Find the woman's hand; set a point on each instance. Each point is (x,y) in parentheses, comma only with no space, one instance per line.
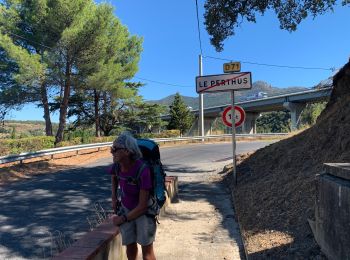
(118,220)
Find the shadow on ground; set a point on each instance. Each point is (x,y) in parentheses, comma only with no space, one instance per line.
(177,168)
(32,209)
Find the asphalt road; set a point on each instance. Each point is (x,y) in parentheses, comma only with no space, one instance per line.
(34,211)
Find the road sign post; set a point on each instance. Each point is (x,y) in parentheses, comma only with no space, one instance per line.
(226,82)
(233,116)
(233,136)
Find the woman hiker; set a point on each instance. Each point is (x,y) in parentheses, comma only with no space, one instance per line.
(135,226)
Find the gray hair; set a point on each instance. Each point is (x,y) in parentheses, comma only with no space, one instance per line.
(127,141)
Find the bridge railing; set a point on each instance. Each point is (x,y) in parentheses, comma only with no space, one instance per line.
(76,148)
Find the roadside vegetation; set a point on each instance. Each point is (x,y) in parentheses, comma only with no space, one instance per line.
(180,115)
(74,57)
(279,122)
(15,141)
(26,136)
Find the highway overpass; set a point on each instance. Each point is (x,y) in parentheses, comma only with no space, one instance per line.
(294,102)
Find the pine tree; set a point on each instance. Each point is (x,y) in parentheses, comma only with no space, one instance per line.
(180,115)
(222,17)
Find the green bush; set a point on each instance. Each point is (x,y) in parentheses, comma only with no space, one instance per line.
(102,139)
(33,144)
(73,141)
(85,136)
(163,134)
(146,135)
(168,134)
(30,144)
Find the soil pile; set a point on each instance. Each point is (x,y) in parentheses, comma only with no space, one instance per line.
(276,189)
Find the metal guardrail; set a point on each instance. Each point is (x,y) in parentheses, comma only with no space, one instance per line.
(53,151)
(24,156)
(216,136)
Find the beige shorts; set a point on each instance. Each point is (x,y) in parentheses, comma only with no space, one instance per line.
(141,230)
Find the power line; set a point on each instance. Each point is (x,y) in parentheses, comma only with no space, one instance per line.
(24,38)
(273,65)
(199,31)
(164,83)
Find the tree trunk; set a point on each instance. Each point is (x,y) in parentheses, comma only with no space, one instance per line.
(105,111)
(64,105)
(97,113)
(44,100)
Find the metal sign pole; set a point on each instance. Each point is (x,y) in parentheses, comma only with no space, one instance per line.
(201,106)
(233,135)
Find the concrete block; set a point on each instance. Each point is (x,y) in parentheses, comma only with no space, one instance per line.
(332,212)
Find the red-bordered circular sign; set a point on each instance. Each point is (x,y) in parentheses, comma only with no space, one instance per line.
(227,116)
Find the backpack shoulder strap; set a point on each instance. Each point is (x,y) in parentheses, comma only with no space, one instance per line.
(115,169)
(140,170)
(136,176)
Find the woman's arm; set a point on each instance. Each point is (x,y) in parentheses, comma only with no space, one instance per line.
(140,209)
(114,188)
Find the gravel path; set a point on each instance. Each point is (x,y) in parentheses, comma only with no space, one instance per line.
(201,224)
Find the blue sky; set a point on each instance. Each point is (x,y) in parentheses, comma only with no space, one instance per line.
(171,48)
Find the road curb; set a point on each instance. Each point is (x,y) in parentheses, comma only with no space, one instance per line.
(231,188)
(239,225)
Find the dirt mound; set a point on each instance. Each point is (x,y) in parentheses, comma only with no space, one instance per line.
(276,190)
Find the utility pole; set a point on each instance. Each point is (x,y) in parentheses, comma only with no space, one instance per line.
(201,114)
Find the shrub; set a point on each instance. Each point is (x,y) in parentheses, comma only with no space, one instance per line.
(102,139)
(168,134)
(146,135)
(30,144)
(33,144)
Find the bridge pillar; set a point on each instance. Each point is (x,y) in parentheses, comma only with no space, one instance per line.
(249,124)
(295,112)
(208,125)
(194,128)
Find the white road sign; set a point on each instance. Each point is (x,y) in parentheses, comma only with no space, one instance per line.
(224,82)
(239,116)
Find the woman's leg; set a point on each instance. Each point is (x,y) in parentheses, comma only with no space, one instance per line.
(131,251)
(148,253)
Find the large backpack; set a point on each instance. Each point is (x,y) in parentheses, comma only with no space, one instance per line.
(151,158)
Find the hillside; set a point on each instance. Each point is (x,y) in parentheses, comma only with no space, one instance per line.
(24,128)
(276,191)
(222,98)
